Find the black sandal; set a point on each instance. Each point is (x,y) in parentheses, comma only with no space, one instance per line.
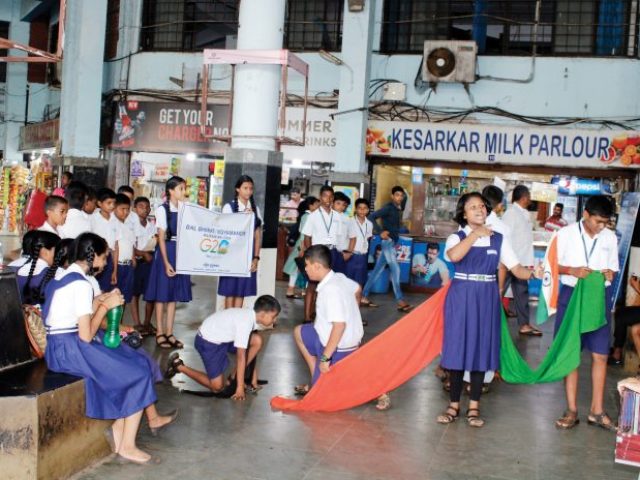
(474,420)
(599,421)
(163,343)
(446,417)
(301,390)
(568,420)
(174,342)
(173,363)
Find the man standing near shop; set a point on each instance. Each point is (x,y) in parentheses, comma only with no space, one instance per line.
(391,216)
(518,221)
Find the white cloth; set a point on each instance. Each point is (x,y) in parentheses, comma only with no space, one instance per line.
(70,302)
(126,239)
(144,233)
(363,232)
(105,227)
(323,227)
(344,234)
(40,266)
(77,222)
(92,280)
(507,255)
(336,303)
(521,233)
(242,208)
(19,262)
(571,251)
(229,325)
(47,227)
(497,225)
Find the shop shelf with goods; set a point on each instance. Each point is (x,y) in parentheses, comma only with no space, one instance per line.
(13,197)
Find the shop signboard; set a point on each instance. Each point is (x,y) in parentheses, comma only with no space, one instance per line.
(39,135)
(504,144)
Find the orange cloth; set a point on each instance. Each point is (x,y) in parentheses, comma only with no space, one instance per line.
(381,365)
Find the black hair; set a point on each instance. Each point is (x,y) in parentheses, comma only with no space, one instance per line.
(60,258)
(172,183)
(560,206)
(43,239)
(493,194)
(122,199)
(68,174)
(140,200)
(294,190)
(341,197)
(319,254)
(519,192)
(326,188)
(76,194)
(247,179)
(86,247)
(396,189)
(462,201)
(361,201)
(106,194)
(433,246)
(53,201)
(27,241)
(91,193)
(126,189)
(266,303)
(600,205)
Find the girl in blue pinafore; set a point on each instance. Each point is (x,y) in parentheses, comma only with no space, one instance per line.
(166,287)
(118,386)
(472,310)
(31,275)
(234,289)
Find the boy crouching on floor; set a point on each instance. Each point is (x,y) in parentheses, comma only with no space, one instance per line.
(228,331)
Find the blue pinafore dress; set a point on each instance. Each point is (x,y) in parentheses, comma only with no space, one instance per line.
(162,288)
(472,311)
(240,286)
(36,280)
(117,384)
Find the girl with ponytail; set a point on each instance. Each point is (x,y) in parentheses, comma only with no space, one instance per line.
(31,275)
(234,289)
(118,385)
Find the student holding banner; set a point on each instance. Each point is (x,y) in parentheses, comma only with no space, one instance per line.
(166,287)
(235,289)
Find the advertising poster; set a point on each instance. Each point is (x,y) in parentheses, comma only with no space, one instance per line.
(214,244)
(428,266)
(624,232)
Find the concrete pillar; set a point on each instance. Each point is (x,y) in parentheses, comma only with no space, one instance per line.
(81,96)
(357,40)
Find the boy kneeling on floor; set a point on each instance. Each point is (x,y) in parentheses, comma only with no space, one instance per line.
(228,331)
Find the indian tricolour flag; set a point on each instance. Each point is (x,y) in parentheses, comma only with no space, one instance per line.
(548,301)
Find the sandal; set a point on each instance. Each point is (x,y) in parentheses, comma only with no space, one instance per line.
(301,390)
(404,308)
(474,420)
(599,421)
(384,402)
(163,343)
(173,363)
(174,342)
(368,304)
(252,390)
(447,417)
(568,420)
(534,332)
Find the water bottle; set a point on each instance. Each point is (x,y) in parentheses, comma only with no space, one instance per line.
(112,335)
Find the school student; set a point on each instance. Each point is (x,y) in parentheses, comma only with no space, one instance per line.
(118,386)
(584,247)
(305,208)
(235,289)
(76,222)
(105,225)
(132,219)
(30,276)
(56,209)
(228,331)
(361,229)
(25,255)
(346,239)
(166,287)
(90,203)
(124,264)
(145,233)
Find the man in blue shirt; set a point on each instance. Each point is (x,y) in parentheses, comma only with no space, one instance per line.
(391,216)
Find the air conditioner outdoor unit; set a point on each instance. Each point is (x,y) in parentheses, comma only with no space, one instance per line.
(449,61)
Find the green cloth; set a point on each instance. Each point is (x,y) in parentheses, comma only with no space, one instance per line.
(585,313)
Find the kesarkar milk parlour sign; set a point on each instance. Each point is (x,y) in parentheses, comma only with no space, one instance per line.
(495,143)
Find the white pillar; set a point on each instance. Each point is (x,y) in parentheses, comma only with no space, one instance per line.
(257,87)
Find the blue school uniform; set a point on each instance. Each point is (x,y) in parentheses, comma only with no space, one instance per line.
(126,273)
(117,382)
(472,311)
(240,286)
(104,277)
(22,275)
(358,268)
(162,288)
(141,275)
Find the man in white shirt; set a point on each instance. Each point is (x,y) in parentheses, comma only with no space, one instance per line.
(518,221)
(585,247)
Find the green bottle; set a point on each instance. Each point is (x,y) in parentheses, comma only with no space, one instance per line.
(112,335)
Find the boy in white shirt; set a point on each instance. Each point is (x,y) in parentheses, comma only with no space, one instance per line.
(360,231)
(228,331)
(124,253)
(76,221)
(132,219)
(105,225)
(340,204)
(145,233)
(56,209)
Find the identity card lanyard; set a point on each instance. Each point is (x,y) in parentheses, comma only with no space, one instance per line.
(327,227)
(584,245)
(364,234)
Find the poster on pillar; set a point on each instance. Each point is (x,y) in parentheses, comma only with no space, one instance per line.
(213,244)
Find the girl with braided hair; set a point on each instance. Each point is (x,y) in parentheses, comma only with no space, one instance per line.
(118,385)
(31,275)
(234,289)
(23,259)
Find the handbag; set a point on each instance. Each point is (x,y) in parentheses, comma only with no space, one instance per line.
(36,332)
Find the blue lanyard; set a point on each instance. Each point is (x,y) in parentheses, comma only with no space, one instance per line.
(584,245)
(364,234)
(328,228)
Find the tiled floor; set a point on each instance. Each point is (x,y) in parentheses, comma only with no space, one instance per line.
(222,439)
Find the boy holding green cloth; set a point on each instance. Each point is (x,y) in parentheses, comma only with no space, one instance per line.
(585,247)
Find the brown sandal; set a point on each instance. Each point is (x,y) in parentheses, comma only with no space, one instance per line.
(568,420)
(474,420)
(384,402)
(447,417)
(599,421)
(163,342)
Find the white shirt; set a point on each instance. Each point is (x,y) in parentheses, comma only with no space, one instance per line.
(47,227)
(497,225)
(40,266)
(344,234)
(363,232)
(242,208)
(126,239)
(92,280)
(132,219)
(71,301)
(336,303)
(77,222)
(571,251)
(229,325)
(507,256)
(144,233)
(521,233)
(105,228)
(161,216)
(19,262)
(323,227)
